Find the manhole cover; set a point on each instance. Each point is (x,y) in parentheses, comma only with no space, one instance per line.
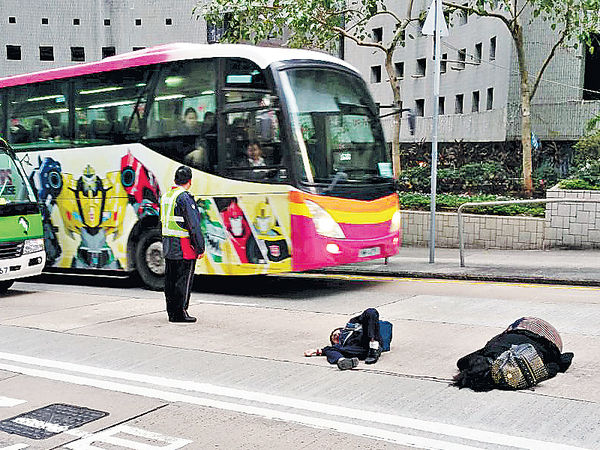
(50,420)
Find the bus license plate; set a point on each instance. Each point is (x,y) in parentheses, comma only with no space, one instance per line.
(369,251)
(3,270)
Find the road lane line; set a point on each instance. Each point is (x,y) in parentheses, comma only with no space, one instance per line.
(313,422)
(10,402)
(321,408)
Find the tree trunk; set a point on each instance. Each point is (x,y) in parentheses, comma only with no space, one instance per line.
(525,111)
(391,72)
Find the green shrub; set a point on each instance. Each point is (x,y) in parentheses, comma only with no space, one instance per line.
(451,202)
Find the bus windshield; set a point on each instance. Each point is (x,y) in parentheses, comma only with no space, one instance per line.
(14,188)
(334,124)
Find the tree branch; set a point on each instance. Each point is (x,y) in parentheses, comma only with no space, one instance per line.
(557,44)
(506,21)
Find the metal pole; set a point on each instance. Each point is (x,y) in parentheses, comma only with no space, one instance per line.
(434,132)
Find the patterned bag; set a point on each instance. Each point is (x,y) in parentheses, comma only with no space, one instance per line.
(520,367)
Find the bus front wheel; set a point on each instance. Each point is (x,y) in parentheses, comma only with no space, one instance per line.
(149,259)
(5,286)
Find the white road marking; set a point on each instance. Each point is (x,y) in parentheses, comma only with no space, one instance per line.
(7,402)
(321,408)
(109,436)
(15,447)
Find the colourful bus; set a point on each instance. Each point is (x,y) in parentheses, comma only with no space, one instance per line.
(21,235)
(290,167)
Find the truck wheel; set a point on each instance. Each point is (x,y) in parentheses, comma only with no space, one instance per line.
(5,286)
(149,260)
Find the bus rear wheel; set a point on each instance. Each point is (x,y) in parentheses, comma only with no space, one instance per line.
(5,286)
(149,259)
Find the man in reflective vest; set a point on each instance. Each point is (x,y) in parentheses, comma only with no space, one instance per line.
(182,244)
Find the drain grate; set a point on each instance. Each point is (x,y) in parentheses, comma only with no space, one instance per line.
(50,420)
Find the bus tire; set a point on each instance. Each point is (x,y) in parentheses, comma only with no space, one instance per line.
(5,286)
(149,261)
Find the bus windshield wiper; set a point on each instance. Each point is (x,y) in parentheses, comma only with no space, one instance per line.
(339,176)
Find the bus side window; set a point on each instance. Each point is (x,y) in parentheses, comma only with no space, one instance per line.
(38,114)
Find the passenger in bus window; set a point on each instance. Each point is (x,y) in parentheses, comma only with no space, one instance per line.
(42,131)
(190,124)
(208,133)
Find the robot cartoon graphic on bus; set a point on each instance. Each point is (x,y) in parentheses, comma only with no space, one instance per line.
(93,207)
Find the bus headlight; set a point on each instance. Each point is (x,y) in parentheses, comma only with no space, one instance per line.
(33,246)
(324,223)
(396,223)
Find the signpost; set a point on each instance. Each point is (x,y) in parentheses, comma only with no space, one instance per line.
(435,24)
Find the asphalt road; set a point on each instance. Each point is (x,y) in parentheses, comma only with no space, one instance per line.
(237,378)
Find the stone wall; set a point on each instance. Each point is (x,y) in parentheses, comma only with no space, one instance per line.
(480,231)
(574,225)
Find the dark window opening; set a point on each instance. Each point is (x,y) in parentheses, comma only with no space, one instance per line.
(490,99)
(108,52)
(458,103)
(591,80)
(444,63)
(44,21)
(462,57)
(138,22)
(442,106)
(378,34)
(168,21)
(46,53)
(420,107)
(135,49)
(107,22)
(13,52)
(76,22)
(478,49)
(421,67)
(376,74)
(493,48)
(12,19)
(475,101)
(77,54)
(399,67)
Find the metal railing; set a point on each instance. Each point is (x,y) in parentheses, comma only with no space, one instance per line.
(506,202)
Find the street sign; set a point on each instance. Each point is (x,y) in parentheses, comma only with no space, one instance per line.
(429,25)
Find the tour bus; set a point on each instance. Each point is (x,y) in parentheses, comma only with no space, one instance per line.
(290,168)
(21,234)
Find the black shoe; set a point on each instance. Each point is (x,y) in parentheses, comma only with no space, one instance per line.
(373,356)
(184,318)
(347,363)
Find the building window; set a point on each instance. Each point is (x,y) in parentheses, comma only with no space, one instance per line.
(462,57)
(107,22)
(13,52)
(77,54)
(378,34)
(108,52)
(493,48)
(490,99)
(76,22)
(375,74)
(135,49)
(478,48)
(168,21)
(442,106)
(444,63)
(12,19)
(399,67)
(420,107)
(591,81)
(463,17)
(44,21)
(138,22)
(475,101)
(46,53)
(458,103)
(421,67)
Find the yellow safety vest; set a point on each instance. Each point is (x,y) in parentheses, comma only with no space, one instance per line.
(169,220)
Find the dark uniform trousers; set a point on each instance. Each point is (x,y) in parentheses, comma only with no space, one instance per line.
(179,274)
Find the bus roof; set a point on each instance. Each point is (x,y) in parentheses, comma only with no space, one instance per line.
(262,56)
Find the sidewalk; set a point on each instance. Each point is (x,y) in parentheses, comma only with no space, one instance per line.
(556,266)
